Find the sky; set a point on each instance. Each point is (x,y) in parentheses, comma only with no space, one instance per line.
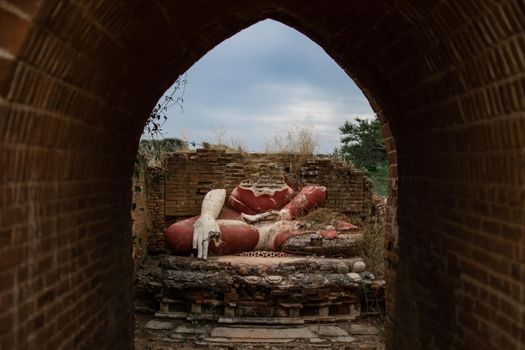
(264,81)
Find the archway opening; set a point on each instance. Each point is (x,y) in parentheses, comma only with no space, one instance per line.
(285,101)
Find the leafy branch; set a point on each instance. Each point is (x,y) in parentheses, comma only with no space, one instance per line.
(158,115)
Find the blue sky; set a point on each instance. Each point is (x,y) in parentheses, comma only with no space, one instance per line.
(263,81)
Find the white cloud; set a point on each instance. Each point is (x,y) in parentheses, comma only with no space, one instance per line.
(264,80)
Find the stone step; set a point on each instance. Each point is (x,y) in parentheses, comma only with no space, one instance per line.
(260,334)
(262,320)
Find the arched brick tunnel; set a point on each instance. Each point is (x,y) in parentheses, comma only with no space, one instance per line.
(447,78)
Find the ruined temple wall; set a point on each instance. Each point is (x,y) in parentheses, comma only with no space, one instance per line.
(147,211)
(190,175)
(139,213)
(348,189)
(155,192)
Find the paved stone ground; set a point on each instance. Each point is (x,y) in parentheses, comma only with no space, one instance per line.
(156,334)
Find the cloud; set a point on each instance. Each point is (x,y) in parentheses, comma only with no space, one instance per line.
(265,80)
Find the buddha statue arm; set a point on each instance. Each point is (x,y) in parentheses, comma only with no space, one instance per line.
(206,225)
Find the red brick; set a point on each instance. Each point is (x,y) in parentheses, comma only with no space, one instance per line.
(14,30)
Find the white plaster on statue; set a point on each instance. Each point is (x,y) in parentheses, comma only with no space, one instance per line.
(206,226)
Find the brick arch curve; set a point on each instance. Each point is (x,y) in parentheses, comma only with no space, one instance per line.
(445,77)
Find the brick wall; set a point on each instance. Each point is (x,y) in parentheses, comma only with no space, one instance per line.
(155,203)
(78,78)
(140,209)
(189,176)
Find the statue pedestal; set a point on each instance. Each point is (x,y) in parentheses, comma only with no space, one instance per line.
(262,290)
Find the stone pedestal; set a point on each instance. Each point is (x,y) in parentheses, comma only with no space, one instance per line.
(256,290)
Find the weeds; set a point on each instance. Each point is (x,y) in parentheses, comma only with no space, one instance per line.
(323,217)
(301,140)
(372,247)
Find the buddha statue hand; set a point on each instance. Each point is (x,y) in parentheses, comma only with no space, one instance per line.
(204,229)
(253,219)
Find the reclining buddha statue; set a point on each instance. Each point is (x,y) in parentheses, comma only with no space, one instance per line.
(253,218)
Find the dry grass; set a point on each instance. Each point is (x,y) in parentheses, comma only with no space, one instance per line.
(372,248)
(239,145)
(372,245)
(235,145)
(321,217)
(300,140)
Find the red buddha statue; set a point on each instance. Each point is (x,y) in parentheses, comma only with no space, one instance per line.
(241,225)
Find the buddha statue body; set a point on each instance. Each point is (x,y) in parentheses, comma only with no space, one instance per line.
(253,218)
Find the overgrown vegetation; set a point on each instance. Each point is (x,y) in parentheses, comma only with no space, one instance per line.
(151,151)
(233,145)
(379,178)
(158,116)
(321,217)
(300,140)
(372,247)
(221,142)
(363,145)
(153,143)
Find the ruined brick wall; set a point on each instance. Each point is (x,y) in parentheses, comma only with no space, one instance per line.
(139,212)
(155,189)
(349,191)
(190,175)
(78,80)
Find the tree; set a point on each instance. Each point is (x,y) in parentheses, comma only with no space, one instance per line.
(364,146)
(363,143)
(152,151)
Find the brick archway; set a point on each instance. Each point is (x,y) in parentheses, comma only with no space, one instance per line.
(446,78)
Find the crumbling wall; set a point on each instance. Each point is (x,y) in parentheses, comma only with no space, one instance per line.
(147,210)
(348,190)
(155,192)
(188,176)
(139,212)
